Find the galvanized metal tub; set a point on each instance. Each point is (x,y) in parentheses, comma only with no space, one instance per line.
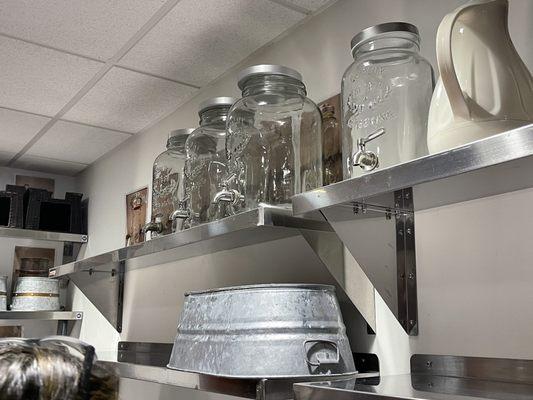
(263,331)
(35,294)
(3,293)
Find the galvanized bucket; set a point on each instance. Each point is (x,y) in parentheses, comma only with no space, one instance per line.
(263,331)
(3,293)
(36,294)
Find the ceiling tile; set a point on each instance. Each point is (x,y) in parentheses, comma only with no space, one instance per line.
(34,163)
(96,28)
(128,101)
(16,129)
(40,80)
(310,5)
(72,142)
(199,40)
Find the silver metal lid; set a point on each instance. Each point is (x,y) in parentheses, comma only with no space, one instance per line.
(266,69)
(181,132)
(405,29)
(216,102)
(178,137)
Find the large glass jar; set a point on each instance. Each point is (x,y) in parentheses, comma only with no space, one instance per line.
(386,94)
(274,138)
(206,166)
(168,185)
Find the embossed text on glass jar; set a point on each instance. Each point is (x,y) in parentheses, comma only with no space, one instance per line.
(386,95)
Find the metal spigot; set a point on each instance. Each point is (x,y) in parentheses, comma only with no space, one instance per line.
(153,226)
(228,195)
(182,212)
(366,159)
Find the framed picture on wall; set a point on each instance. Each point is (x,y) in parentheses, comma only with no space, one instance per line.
(136,208)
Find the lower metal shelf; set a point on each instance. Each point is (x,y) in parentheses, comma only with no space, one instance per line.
(41,315)
(434,377)
(62,317)
(260,389)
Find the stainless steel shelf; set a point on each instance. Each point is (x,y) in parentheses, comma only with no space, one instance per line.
(435,377)
(377,210)
(102,278)
(498,164)
(413,387)
(261,389)
(42,235)
(42,315)
(251,227)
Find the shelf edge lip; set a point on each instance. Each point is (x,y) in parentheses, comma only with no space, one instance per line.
(503,147)
(19,233)
(41,315)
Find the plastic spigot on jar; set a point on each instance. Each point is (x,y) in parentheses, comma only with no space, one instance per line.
(274,137)
(388,86)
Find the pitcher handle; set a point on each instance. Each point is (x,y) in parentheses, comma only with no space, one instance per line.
(445,63)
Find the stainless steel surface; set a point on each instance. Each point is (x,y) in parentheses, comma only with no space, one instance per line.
(42,235)
(374,32)
(99,277)
(263,331)
(501,163)
(413,387)
(492,369)
(144,353)
(361,209)
(366,159)
(254,226)
(42,315)
(260,389)
(407,305)
(216,102)
(266,69)
(435,377)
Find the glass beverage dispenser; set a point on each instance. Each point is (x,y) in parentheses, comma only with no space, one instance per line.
(386,94)
(274,139)
(206,166)
(168,185)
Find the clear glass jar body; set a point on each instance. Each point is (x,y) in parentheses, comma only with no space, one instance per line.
(274,142)
(388,86)
(168,188)
(206,167)
(331,147)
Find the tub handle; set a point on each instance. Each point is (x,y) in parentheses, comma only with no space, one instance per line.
(322,357)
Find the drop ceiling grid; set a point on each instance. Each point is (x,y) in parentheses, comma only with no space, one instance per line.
(59,32)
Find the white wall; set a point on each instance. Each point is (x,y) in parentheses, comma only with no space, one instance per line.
(62,183)
(473,267)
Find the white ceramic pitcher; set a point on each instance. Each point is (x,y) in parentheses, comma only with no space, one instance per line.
(484,87)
